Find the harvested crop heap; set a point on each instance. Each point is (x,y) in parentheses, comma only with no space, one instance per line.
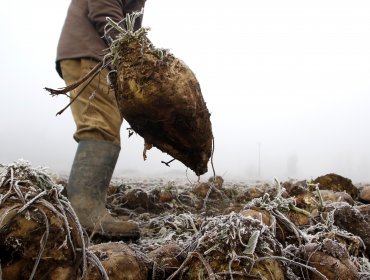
(160,97)
(40,235)
(205,230)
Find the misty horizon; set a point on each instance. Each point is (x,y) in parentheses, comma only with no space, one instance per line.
(287,84)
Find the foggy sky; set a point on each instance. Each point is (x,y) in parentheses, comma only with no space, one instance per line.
(287,84)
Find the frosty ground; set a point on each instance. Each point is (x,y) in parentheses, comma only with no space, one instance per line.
(215,229)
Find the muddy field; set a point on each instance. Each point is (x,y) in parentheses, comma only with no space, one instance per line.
(212,229)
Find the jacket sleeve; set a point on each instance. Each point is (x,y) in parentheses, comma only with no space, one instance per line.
(99,10)
(135,6)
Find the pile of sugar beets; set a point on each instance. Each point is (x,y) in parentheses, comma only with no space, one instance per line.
(311,229)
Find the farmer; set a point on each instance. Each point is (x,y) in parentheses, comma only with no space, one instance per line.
(81,47)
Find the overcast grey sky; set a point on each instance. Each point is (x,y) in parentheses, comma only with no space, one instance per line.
(287,83)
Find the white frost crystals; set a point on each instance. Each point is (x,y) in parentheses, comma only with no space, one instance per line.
(33,211)
(21,171)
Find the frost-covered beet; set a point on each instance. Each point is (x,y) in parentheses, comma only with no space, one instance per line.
(331,259)
(120,262)
(337,183)
(161,99)
(233,247)
(40,236)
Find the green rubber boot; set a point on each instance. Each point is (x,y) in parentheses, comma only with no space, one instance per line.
(88,183)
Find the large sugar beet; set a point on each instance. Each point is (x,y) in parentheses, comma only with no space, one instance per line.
(161,99)
(40,236)
(119,262)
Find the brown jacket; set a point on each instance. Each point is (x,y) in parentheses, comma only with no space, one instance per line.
(83,30)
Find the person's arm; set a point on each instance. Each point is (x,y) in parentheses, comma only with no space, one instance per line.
(99,10)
